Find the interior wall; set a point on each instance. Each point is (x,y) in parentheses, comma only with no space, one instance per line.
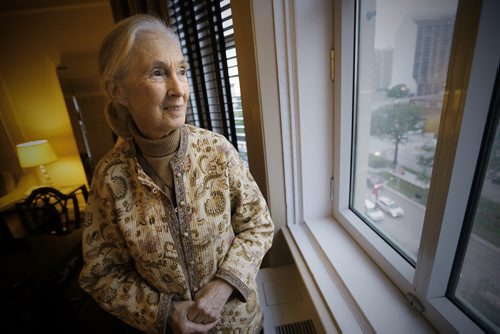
(314,40)
(255,44)
(7,136)
(31,102)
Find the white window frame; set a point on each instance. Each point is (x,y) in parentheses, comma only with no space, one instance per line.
(463,121)
(357,276)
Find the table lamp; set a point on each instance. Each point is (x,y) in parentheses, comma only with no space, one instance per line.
(37,153)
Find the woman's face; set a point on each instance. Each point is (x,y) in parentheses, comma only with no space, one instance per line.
(155,90)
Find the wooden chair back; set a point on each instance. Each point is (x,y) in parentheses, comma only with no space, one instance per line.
(47,210)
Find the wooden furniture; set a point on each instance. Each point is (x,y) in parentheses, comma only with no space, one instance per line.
(8,202)
(47,210)
(10,215)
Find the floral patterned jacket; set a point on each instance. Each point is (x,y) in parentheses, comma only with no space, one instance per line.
(141,253)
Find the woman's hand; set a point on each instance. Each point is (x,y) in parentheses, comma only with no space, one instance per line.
(179,322)
(209,301)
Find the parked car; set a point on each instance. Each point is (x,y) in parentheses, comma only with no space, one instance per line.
(388,205)
(372,211)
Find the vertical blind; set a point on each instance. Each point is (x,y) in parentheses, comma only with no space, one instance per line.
(205,30)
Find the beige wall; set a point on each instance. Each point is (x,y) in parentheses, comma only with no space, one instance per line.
(31,102)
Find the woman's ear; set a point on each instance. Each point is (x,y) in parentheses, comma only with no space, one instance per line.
(119,96)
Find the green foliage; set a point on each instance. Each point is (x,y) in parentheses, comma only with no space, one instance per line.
(395,121)
(378,162)
(409,190)
(400,90)
(426,162)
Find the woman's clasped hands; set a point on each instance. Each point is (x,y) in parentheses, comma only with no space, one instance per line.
(202,314)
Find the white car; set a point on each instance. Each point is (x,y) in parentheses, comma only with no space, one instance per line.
(372,211)
(389,206)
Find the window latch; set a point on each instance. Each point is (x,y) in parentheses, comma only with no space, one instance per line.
(415,303)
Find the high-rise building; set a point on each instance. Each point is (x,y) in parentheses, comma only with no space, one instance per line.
(432,50)
(383,68)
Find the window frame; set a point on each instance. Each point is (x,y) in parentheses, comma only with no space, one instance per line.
(480,176)
(460,138)
(326,239)
(329,260)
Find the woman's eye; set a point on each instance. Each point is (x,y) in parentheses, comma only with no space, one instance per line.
(183,72)
(158,72)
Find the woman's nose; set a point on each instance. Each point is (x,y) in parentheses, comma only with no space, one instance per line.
(175,87)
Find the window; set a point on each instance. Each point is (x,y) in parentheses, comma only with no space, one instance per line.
(402,52)
(207,38)
(475,285)
(414,137)
(353,262)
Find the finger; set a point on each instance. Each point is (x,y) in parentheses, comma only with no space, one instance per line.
(191,315)
(202,313)
(202,327)
(199,319)
(203,318)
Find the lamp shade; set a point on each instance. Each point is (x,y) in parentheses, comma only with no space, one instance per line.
(35,153)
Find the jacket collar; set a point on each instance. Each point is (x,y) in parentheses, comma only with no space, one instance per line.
(176,161)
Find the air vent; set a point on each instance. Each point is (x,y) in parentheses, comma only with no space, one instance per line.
(301,327)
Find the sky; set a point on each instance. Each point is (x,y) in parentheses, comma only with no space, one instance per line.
(391,14)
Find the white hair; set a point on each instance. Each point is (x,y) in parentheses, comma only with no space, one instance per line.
(114,59)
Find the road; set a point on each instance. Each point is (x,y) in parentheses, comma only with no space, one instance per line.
(404,231)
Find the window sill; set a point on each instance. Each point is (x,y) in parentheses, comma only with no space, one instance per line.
(355,296)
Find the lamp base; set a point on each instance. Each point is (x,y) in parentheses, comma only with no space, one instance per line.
(46,180)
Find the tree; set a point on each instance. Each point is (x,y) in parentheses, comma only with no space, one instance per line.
(395,121)
(426,160)
(399,90)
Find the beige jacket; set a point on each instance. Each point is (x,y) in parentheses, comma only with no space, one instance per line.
(141,252)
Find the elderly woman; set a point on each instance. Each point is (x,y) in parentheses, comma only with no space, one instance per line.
(176,228)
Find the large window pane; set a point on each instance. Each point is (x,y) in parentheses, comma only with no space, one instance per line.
(403,48)
(476,283)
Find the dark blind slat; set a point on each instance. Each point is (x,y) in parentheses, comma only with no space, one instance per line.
(200,28)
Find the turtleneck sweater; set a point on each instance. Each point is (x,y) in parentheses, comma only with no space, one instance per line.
(158,153)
